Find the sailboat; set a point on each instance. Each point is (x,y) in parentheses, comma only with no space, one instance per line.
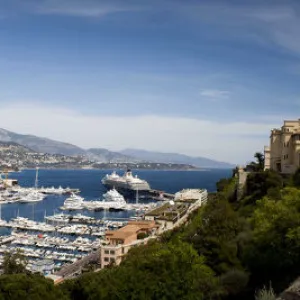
(137,196)
(34,195)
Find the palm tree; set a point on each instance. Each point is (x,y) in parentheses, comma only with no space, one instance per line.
(259,164)
(260,161)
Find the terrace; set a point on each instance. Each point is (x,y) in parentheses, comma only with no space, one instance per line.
(168,212)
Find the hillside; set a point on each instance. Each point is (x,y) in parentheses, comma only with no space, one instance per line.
(175,158)
(101,155)
(241,251)
(104,155)
(39,144)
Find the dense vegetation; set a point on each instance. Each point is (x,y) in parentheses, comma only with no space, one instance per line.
(228,250)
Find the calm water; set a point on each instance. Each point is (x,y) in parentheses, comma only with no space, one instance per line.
(89,182)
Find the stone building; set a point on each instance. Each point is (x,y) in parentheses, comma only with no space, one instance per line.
(120,241)
(283,154)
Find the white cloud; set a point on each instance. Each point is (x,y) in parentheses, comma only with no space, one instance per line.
(232,142)
(215,94)
(79,8)
(274,24)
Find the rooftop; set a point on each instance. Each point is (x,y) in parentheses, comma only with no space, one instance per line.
(168,211)
(132,228)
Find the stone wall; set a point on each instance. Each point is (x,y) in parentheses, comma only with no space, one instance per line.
(242,179)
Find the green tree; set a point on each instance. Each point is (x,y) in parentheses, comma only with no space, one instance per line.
(260,161)
(214,234)
(259,164)
(14,263)
(274,252)
(28,287)
(296,178)
(155,271)
(260,184)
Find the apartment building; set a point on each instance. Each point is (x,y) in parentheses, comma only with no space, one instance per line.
(283,154)
(192,195)
(122,240)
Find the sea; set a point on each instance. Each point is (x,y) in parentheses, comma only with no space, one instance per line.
(91,188)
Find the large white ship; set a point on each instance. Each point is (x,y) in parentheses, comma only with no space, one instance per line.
(125,183)
(73,202)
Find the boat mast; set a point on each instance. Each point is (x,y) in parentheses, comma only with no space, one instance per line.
(104,215)
(36,177)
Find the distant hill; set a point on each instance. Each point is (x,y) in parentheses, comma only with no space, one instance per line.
(175,158)
(39,144)
(104,155)
(45,145)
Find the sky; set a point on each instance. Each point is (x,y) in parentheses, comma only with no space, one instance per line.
(204,78)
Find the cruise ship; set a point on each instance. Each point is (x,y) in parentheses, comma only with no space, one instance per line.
(126,183)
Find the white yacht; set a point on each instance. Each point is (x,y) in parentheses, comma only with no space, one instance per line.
(73,202)
(33,196)
(112,200)
(113,195)
(59,190)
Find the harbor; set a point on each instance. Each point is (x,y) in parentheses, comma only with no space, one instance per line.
(61,237)
(68,224)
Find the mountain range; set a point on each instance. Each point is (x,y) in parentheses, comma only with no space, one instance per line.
(175,158)
(46,145)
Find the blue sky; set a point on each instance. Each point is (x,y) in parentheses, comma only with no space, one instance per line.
(207,78)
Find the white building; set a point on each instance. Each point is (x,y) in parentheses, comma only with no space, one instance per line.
(192,195)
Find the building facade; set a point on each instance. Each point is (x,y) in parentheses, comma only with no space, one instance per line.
(122,240)
(283,154)
(192,195)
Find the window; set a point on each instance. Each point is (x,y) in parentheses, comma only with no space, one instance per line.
(106,259)
(112,259)
(123,250)
(112,251)
(106,252)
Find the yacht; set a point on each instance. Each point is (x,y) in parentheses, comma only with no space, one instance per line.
(73,202)
(112,200)
(114,196)
(59,190)
(33,196)
(58,219)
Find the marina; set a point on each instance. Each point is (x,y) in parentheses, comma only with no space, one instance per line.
(68,224)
